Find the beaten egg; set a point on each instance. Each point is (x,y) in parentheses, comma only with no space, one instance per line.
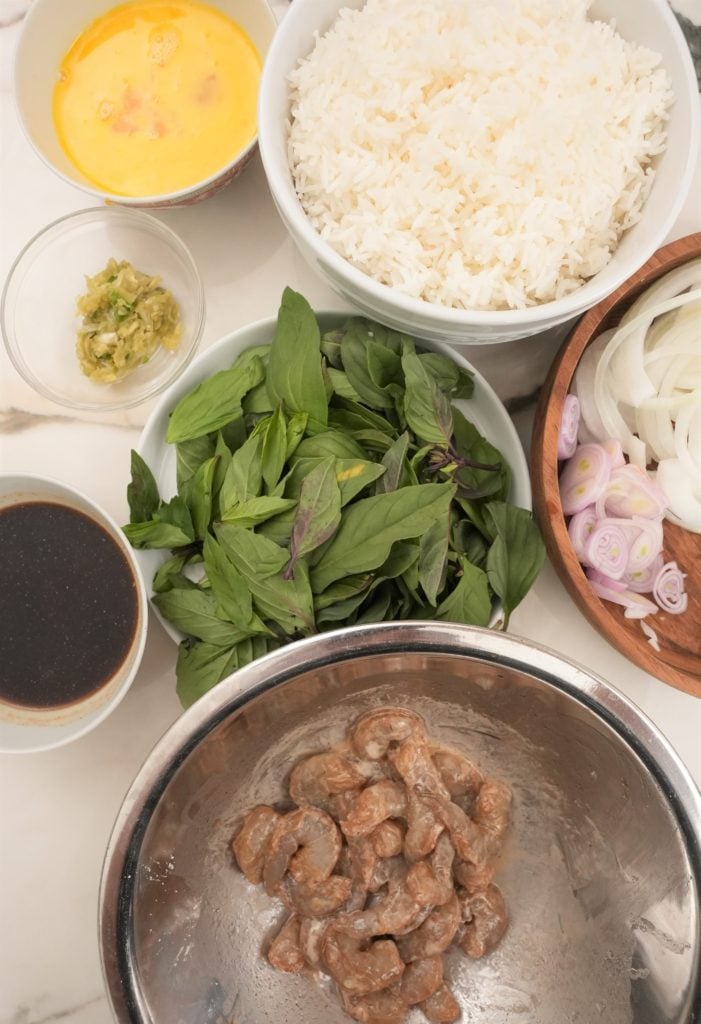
(156,95)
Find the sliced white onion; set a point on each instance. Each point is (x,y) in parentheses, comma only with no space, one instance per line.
(650,634)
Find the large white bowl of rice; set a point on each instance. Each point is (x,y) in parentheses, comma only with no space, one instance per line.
(478,170)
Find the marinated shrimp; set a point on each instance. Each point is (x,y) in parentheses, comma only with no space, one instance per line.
(385,863)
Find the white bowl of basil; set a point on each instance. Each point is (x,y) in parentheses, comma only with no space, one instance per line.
(321,470)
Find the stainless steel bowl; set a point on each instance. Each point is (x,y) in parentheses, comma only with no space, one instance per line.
(602,876)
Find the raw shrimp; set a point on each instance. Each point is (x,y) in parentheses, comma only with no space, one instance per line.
(376,731)
(285,952)
(413,763)
(460,776)
(431,881)
(316,778)
(487,920)
(312,838)
(423,828)
(472,877)
(442,1007)
(472,842)
(492,810)
(389,870)
(394,913)
(358,966)
(318,899)
(421,979)
(249,845)
(435,934)
(385,1007)
(374,805)
(387,839)
(311,937)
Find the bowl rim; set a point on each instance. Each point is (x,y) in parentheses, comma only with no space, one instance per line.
(636,730)
(162,199)
(75,730)
(140,219)
(449,318)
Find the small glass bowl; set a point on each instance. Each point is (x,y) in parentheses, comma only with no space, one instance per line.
(38,309)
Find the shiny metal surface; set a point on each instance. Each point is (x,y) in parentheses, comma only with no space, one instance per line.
(602,875)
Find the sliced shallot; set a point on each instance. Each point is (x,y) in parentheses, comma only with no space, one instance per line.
(569,427)
(668,589)
(607,549)
(580,526)
(584,478)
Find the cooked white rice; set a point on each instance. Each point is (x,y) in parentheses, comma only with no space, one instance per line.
(481,154)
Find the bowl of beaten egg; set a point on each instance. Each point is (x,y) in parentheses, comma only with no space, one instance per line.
(148,103)
(479,171)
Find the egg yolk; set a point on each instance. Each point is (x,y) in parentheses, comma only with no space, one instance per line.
(156,95)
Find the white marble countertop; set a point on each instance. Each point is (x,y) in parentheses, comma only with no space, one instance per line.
(57,808)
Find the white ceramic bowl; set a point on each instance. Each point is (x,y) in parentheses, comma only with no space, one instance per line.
(484,409)
(28,730)
(49,29)
(648,22)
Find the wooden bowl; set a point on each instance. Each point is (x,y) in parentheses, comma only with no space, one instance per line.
(679,660)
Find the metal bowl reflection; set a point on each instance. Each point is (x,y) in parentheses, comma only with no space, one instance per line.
(602,875)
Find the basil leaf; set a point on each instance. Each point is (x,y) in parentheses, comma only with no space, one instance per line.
(214,402)
(331,347)
(350,416)
(274,449)
(195,612)
(228,585)
(253,555)
(452,379)
(257,510)
(197,494)
(373,440)
(154,534)
(330,442)
(189,455)
(200,667)
(223,457)
(170,574)
(341,385)
(393,460)
(244,477)
(468,541)
(354,475)
(516,556)
(358,357)
(343,590)
(370,527)
(428,412)
(294,378)
(177,514)
(318,511)
(142,492)
(296,426)
(470,601)
(288,602)
(433,558)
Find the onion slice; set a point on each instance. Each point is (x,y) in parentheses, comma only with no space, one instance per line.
(668,589)
(569,427)
(580,526)
(607,549)
(636,605)
(584,478)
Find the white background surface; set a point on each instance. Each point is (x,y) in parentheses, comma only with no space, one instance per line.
(57,808)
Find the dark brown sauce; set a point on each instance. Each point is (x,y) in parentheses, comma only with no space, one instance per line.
(68,605)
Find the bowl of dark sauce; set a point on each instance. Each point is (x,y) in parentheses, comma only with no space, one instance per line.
(73,614)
